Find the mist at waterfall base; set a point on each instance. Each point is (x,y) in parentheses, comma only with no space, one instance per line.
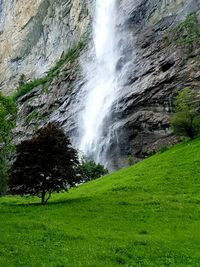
(101,86)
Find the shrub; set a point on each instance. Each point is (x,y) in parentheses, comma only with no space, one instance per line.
(164,148)
(186,119)
(44,164)
(129,160)
(89,170)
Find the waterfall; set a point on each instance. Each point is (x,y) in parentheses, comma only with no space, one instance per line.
(101,86)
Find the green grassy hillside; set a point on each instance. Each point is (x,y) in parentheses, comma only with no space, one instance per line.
(145,215)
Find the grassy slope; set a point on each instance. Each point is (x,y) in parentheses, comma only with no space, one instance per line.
(145,215)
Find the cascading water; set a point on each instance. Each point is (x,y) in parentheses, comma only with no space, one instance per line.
(101,86)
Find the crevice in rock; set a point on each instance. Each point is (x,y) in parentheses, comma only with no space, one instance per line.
(167,65)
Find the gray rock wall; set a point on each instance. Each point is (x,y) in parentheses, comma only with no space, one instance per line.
(150,72)
(153,72)
(34,34)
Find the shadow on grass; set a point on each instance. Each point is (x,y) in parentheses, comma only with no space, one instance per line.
(50,203)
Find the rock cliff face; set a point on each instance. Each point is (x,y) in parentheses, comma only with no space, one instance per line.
(34,34)
(152,68)
(155,68)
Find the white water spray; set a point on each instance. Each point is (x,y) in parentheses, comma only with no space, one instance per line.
(101,86)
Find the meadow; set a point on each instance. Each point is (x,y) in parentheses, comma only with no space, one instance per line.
(144,215)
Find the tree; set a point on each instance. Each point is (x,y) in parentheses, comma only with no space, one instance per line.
(7,123)
(44,164)
(185,120)
(89,170)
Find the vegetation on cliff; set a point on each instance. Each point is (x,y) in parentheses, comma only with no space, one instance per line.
(186,35)
(188,31)
(7,123)
(70,56)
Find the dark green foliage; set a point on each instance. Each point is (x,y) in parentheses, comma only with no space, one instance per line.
(44,164)
(25,88)
(7,123)
(186,118)
(164,148)
(89,170)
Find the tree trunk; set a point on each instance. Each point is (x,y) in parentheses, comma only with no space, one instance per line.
(43,198)
(48,197)
(190,130)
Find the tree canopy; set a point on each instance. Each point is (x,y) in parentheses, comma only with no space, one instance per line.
(185,120)
(44,164)
(89,170)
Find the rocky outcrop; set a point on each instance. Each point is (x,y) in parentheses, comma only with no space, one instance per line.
(159,69)
(151,69)
(154,69)
(34,34)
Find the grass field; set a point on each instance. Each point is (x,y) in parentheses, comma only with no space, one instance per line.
(145,215)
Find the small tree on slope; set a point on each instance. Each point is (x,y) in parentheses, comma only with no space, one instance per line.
(185,120)
(90,170)
(44,164)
